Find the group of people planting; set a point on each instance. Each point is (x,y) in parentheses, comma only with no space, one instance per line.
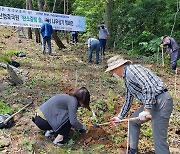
(99,45)
(58,114)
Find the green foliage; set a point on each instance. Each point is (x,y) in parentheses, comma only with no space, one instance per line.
(151,47)
(92,11)
(14,3)
(147,132)
(110,100)
(4,108)
(28,144)
(4,58)
(136,25)
(11,52)
(178,62)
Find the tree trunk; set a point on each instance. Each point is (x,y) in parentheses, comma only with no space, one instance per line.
(38,37)
(40,5)
(57,40)
(54,35)
(109,8)
(45,5)
(29,7)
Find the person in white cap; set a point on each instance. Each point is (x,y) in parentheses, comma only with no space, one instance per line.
(149,89)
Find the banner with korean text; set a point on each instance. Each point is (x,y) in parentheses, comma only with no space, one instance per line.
(34,19)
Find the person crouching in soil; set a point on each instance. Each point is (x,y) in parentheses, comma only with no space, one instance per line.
(58,114)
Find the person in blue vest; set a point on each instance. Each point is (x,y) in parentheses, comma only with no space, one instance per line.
(93,44)
(46,32)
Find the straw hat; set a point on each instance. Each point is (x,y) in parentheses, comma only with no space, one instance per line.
(115,62)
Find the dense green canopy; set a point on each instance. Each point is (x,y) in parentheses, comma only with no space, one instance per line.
(134,25)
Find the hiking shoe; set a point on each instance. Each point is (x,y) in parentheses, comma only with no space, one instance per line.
(59,143)
(48,133)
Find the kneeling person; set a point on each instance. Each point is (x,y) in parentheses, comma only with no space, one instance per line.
(58,114)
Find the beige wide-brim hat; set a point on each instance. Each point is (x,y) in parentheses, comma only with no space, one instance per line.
(115,62)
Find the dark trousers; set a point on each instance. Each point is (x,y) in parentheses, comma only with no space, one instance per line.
(74,38)
(44,125)
(102,46)
(175,55)
(47,40)
(94,46)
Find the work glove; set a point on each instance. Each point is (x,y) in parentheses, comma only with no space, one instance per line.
(83,130)
(114,120)
(161,45)
(143,114)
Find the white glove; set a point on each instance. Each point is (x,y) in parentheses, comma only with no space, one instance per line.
(143,114)
(114,120)
(161,45)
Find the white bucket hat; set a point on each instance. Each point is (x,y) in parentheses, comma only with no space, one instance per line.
(115,62)
(162,37)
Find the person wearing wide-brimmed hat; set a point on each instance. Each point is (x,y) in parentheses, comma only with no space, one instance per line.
(58,114)
(172,50)
(149,89)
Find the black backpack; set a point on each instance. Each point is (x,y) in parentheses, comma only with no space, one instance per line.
(14,63)
(3,118)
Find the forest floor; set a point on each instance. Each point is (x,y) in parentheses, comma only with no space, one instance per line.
(62,72)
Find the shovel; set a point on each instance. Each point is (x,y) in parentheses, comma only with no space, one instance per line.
(128,119)
(4,124)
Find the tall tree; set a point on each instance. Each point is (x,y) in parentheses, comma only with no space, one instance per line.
(29,7)
(55,35)
(108,21)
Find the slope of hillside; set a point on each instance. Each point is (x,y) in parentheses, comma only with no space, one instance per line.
(62,72)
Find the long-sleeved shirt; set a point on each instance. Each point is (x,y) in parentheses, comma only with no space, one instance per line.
(59,109)
(171,44)
(103,33)
(92,40)
(46,29)
(142,84)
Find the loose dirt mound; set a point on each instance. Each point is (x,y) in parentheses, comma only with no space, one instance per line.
(96,136)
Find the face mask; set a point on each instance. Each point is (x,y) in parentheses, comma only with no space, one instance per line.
(116,76)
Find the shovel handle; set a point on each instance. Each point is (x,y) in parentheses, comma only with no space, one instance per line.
(10,117)
(128,119)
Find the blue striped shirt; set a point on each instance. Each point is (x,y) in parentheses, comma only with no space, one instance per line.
(142,84)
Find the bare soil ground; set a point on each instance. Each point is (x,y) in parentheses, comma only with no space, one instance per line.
(61,73)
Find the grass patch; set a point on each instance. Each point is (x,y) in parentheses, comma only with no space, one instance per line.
(4,59)
(4,108)
(11,52)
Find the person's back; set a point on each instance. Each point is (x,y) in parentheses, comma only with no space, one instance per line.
(46,29)
(46,32)
(172,43)
(103,35)
(93,44)
(172,50)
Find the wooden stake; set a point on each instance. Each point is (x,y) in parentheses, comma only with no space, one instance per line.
(162,56)
(175,80)
(158,56)
(76,78)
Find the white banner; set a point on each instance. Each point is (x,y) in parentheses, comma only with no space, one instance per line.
(28,18)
